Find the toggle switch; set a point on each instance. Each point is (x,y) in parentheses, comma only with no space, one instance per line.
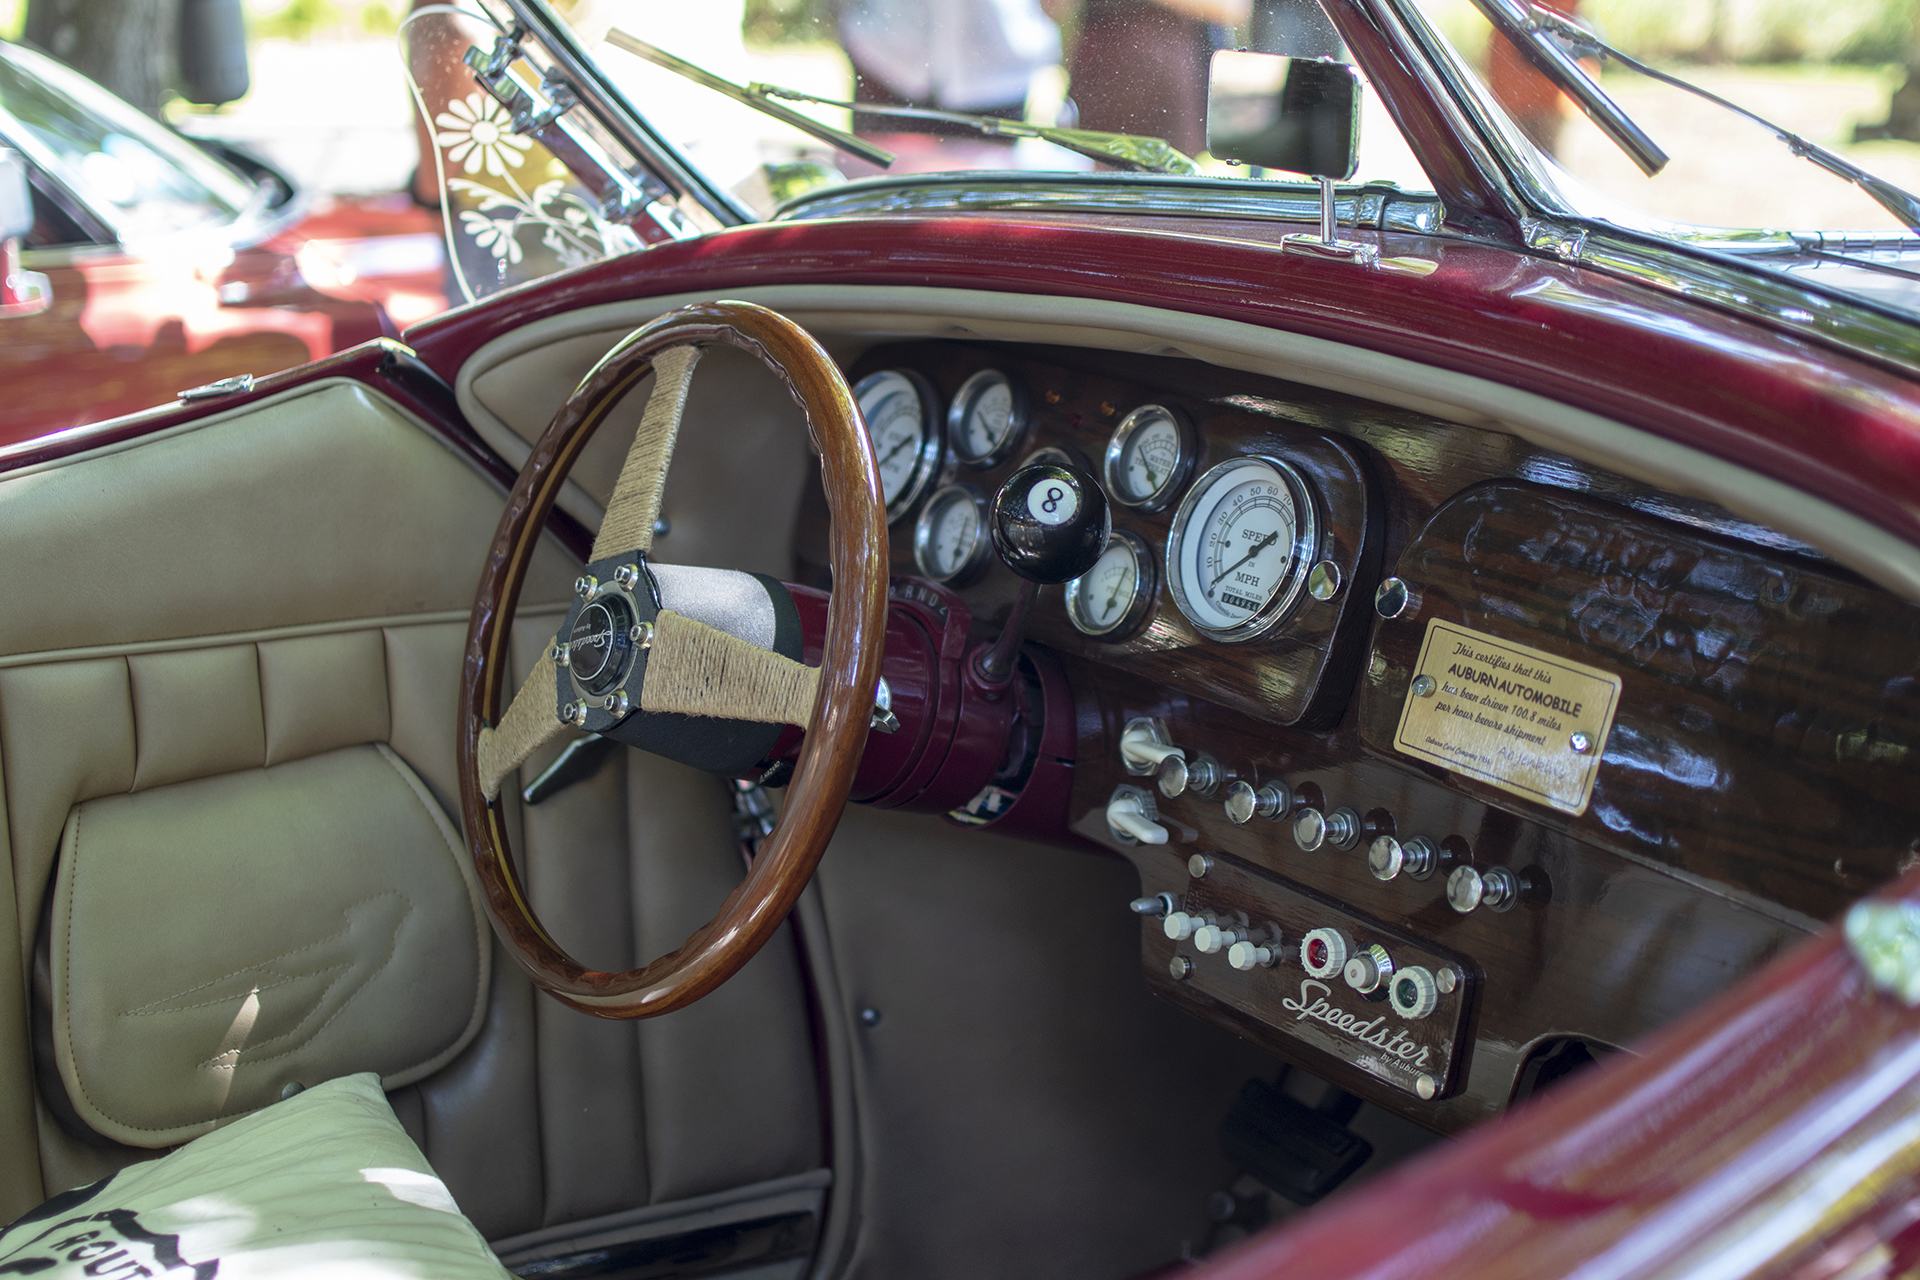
(1144,744)
(1154,905)
(1131,817)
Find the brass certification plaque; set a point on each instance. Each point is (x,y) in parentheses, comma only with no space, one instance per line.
(1526,721)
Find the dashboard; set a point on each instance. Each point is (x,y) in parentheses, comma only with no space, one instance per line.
(1448,764)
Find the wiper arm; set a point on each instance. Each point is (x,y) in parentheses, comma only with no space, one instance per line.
(1522,23)
(755,97)
(1151,154)
(1135,151)
(1901,204)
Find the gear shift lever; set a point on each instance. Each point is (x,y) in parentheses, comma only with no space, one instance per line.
(1049,523)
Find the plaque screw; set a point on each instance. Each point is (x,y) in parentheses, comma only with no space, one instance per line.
(1179,968)
(1198,866)
(1581,743)
(1446,980)
(1423,686)
(1425,1087)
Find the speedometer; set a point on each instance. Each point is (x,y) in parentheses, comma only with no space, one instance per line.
(1240,546)
(898,407)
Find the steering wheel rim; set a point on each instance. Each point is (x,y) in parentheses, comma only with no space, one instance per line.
(836,729)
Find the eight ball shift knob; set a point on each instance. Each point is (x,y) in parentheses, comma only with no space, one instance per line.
(1050,523)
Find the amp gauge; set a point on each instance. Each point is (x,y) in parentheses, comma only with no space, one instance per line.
(898,406)
(987,420)
(1148,456)
(950,541)
(1113,598)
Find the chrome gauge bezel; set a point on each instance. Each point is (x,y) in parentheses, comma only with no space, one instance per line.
(1282,603)
(1139,605)
(926,461)
(923,530)
(1019,419)
(1111,475)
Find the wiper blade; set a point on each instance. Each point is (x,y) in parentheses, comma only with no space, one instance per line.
(1900,203)
(1134,151)
(1522,23)
(754,97)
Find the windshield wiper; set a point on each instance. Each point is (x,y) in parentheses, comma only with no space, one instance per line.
(1153,155)
(1584,43)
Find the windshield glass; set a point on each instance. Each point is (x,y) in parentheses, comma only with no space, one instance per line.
(141,179)
(1826,72)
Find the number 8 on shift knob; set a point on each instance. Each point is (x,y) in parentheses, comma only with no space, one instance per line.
(1050,523)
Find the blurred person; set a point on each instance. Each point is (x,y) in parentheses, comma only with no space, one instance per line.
(1140,66)
(1530,98)
(977,56)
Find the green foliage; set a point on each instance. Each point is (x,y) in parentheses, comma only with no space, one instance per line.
(787,21)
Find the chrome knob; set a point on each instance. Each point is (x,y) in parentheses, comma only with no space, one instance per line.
(1271,801)
(1239,803)
(1496,888)
(1366,970)
(1180,968)
(1385,857)
(1309,829)
(1177,775)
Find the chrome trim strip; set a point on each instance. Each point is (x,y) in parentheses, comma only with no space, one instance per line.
(1377,206)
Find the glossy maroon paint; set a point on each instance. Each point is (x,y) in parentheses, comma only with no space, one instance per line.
(1770,1133)
(1782,404)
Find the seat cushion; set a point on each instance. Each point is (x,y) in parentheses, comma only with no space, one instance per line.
(325,1183)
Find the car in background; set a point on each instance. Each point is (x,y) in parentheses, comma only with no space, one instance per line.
(171,262)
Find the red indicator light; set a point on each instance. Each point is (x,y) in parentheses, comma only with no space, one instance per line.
(1317,953)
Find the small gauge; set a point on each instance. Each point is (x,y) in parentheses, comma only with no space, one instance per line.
(1112,599)
(987,419)
(1240,546)
(950,541)
(1148,456)
(1056,455)
(898,407)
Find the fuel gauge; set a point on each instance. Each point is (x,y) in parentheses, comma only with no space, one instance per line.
(1113,598)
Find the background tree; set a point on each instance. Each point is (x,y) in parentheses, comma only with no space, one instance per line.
(127,45)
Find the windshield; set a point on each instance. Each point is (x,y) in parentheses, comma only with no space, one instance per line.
(141,179)
(1827,73)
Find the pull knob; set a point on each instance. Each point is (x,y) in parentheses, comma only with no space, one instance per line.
(1496,888)
(1270,802)
(1209,938)
(1180,925)
(1177,775)
(1050,522)
(1249,955)
(1130,817)
(1387,857)
(1312,828)
(1143,745)
(1367,970)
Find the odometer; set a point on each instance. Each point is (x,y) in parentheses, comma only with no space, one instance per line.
(1240,547)
(898,407)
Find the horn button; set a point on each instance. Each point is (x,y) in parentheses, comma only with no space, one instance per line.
(600,645)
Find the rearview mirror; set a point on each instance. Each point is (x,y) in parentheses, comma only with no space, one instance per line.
(1300,115)
(22,292)
(16,197)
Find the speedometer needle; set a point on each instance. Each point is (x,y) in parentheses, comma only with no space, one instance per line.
(1252,551)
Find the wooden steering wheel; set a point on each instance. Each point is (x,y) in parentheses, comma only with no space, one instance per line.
(677,664)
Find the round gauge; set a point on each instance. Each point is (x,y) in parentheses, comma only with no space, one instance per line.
(1056,455)
(898,408)
(950,541)
(1239,549)
(987,419)
(1111,599)
(1149,454)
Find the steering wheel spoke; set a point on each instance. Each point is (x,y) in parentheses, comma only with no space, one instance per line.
(698,670)
(531,722)
(635,504)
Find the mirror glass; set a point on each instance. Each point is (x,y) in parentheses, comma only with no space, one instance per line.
(16,201)
(1301,115)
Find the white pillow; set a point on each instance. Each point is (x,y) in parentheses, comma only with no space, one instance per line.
(326,1183)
